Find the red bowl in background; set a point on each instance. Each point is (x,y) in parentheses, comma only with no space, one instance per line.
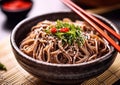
(16,9)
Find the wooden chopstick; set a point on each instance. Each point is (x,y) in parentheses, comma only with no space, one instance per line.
(92,20)
(95,19)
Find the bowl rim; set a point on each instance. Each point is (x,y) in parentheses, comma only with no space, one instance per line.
(23,55)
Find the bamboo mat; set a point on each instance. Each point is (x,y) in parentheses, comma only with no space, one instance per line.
(15,75)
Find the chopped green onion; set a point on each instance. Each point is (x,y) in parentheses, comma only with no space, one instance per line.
(70,36)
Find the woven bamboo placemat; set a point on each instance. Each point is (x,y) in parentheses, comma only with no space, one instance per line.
(15,75)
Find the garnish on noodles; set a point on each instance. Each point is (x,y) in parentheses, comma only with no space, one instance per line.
(67,32)
(64,42)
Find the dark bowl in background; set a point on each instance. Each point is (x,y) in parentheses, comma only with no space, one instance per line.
(15,14)
(58,73)
(96,3)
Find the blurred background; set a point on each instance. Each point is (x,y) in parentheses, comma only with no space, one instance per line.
(10,15)
(39,7)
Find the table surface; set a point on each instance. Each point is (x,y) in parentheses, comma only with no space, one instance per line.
(47,6)
(16,75)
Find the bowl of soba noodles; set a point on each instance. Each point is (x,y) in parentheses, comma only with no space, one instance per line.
(62,48)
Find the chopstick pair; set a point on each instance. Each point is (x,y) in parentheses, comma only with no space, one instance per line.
(94,22)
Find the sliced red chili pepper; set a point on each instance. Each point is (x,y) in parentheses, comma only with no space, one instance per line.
(64,29)
(53,30)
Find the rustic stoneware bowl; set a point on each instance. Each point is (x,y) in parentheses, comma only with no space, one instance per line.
(58,73)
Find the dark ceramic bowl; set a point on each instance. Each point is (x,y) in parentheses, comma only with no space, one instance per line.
(58,73)
(15,14)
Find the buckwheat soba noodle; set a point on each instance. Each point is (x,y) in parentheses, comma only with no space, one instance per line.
(64,42)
